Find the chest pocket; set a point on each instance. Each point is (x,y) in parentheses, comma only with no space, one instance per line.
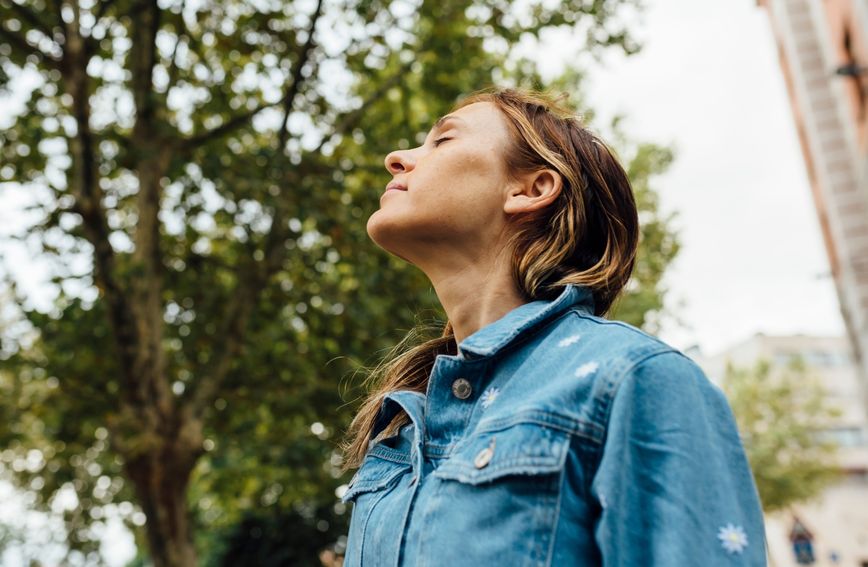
(519,449)
(376,473)
(499,495)
(378,502)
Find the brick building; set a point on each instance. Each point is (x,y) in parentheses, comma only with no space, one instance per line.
(823,50)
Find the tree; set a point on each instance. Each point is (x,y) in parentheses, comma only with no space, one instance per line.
(781,413)
(201,174)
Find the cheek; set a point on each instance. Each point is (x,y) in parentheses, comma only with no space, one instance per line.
(476,175)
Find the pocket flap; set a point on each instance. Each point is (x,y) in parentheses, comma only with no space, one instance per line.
(520,449)
(375,474)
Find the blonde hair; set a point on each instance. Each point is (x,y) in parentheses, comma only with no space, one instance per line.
(587,237)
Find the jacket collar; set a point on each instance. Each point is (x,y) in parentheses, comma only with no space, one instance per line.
(492,338)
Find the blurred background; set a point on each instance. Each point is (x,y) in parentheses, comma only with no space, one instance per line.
(189,301)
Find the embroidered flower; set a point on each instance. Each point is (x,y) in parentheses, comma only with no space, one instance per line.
(569,340)
(488,396)
(732,538)
(586,369)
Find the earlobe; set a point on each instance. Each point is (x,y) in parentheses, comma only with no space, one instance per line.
(535,191)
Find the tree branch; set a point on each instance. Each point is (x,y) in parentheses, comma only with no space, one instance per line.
(253,281)
(102,9)
(295,85)
(30,17)
(189,144)
(88,196)
(350,119)
(288,100)
(181,26)
(22,44)
(152,158)
(245,298)
(58,14)
(143,52)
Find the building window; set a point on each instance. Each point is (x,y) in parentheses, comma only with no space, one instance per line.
(844,436)
(819,358)
(815,358)
(858,80)
(784,358)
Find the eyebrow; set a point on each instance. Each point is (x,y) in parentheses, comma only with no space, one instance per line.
(439,124)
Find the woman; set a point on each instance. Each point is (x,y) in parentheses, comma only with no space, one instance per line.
(535,432)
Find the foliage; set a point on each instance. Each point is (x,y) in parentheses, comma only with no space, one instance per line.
(201,174)
(642,303)
(780,413)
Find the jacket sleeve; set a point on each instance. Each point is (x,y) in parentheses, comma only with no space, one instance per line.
(673,485)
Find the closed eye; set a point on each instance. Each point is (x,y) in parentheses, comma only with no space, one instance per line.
(439,141)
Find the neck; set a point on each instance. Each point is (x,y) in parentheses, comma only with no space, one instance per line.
(478,292)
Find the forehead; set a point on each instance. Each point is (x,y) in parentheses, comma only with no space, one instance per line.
(477,115)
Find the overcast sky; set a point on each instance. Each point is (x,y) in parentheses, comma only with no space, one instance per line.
(708,80)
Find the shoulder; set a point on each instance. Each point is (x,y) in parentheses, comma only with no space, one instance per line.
(616,346)
(623,361)
(574,367)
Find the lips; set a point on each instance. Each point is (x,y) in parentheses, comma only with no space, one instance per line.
(396,186)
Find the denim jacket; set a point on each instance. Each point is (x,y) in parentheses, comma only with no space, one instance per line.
(556,437)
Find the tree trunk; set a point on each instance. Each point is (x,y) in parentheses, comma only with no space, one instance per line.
(160,478)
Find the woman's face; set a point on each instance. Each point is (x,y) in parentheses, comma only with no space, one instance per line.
(446,195)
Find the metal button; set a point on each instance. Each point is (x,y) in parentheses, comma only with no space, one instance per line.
(461,389)
(483,457)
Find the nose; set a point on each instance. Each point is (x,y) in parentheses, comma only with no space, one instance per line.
(399,161)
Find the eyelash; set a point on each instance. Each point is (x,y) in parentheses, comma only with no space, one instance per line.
(440,141)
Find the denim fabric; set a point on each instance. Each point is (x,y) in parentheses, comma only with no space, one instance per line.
(580,441)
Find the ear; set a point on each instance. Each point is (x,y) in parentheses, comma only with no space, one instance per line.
(533,191)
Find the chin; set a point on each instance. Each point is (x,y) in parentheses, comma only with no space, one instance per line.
(381,230)
(388,235)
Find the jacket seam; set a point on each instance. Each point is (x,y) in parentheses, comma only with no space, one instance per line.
(367,519)
(608,398)
(433,499)
(570,425)
(389,454)
(581,314)
(576,426)
(557,518)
